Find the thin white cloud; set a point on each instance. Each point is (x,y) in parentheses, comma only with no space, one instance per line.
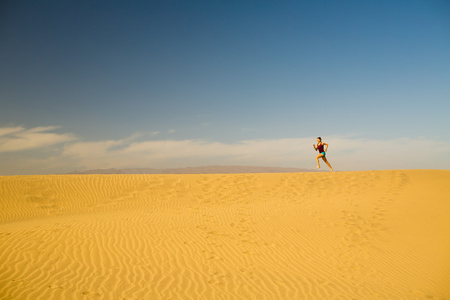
(10,130)
(42,129)
(90,149)
(19,139)
(172,153)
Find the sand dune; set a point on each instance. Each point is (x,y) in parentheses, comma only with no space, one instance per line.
(344,235)
(214,169)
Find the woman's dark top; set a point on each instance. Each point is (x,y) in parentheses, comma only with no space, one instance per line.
(320,147)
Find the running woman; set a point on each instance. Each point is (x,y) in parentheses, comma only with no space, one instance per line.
(322,152)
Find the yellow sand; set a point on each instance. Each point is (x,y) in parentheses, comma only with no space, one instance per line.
(342,235)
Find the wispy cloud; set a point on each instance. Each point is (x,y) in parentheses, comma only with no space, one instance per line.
(10,130)
(345,152)
(165,152)
(13,139)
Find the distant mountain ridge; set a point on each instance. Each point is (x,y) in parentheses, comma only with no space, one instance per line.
(197,170)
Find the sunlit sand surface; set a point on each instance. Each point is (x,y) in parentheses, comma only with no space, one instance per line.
(340,235)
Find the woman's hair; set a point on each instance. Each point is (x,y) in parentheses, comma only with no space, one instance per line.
(319,138)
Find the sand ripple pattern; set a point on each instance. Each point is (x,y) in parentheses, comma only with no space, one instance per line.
(343,235)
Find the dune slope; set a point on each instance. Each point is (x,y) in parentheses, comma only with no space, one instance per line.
(343,235)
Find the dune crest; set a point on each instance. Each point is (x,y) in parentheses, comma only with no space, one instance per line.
(343,235)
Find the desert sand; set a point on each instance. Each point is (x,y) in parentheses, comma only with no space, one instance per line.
(341,235)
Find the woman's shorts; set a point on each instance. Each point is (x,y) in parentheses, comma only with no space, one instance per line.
(322,153)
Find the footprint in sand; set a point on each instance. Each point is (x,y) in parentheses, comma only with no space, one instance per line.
(92,294)
(54,286)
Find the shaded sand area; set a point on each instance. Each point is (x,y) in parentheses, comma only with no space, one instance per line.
(343,235)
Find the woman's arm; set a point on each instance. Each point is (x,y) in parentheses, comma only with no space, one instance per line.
(314,145)
(326,145)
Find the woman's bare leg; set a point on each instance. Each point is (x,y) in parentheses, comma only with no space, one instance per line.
(317,159)
(326,161)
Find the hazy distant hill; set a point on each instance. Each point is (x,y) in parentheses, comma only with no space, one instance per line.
(196,170)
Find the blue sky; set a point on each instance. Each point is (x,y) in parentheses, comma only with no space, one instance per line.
(100,84)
